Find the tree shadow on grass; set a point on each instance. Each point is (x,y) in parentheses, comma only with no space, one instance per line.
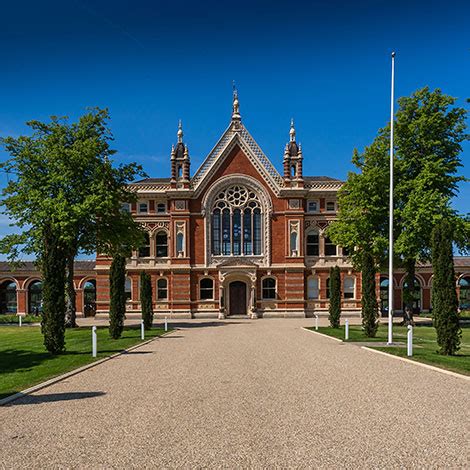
(12,360)
(52,397)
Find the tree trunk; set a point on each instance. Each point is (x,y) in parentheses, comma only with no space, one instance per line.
(408,291)
(70,295)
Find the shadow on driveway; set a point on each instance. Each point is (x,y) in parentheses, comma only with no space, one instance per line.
(51,397)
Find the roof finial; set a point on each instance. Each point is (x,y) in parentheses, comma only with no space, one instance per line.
(292,130)
(180,131)
(236,106)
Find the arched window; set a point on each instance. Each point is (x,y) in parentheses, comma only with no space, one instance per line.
(162,289)
(180,243)
(180,171)
(236,223)
(292,171)
(128,288)
(269,288)
(330,247)
(293,244)
(161,241)
(464,297)
(144,250)
(384,295)
(313,288)
(349,286)
(313,244)
(89,298)
(206,289)
(35,297)
(415,294)
(8,297)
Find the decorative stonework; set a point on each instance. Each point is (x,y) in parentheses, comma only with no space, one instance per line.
(180,205)
(152,227)
(294,203)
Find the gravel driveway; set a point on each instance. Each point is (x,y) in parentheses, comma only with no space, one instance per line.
(258,394)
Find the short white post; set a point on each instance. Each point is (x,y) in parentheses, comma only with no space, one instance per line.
(166,324)
(142,331)
(316,322)
(346,329)
(94,342)
(20,320)
(410,341)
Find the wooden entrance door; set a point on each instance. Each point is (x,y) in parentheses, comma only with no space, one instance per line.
(237,298)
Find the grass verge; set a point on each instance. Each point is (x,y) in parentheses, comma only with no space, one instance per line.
(7,319)
(24,362)
(424,341)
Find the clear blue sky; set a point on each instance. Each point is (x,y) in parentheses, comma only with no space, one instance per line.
(325,63)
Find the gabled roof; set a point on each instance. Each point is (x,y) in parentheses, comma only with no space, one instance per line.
(237,134)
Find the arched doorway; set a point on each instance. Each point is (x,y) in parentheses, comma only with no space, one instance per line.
(89,298)
(238,298)
(8,302)
(384,296)
(464,295)
(35,297)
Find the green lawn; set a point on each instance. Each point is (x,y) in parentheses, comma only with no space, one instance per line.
(24,362)
(424,341)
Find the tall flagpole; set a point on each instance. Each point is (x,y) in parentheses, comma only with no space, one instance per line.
(390,234)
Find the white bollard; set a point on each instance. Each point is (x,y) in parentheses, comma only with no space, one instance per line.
(346,329)
(166,324)
(142,330)
(20,320)
(316,322)
(94,342)
(410,341)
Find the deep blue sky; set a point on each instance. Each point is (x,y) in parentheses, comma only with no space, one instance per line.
(327,64)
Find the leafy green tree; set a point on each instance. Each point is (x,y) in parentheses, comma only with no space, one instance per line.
(428,135)
(117,293)
(429,132)
(369,297)
(335,297)
(146,299)
(63,179)
(444,295)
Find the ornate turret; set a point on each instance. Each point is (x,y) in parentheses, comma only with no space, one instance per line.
(293,160)
(180,164)
(236,117)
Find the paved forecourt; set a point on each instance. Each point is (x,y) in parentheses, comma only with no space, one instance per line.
(232,394)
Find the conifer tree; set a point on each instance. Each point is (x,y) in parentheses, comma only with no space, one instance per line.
(369,297)
(444,295)
(146,299)
(335,297)
(53,312)
(117,291)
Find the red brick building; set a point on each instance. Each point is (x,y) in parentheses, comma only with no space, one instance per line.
(235,238)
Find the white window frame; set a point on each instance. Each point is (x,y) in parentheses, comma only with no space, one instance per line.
(317,202)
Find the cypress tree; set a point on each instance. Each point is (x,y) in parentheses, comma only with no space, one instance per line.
(53,311)
(335,297)
(117,290)
(146,299)
(369,297)
(444,294)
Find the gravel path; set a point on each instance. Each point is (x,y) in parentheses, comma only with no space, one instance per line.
(257,394)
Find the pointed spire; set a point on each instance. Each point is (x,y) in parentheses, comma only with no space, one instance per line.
(236,105)
(180,132)
(292,130)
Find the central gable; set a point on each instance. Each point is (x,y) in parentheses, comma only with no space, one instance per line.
(236,152)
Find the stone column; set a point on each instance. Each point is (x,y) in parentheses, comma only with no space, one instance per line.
(253,313)
(221,301)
